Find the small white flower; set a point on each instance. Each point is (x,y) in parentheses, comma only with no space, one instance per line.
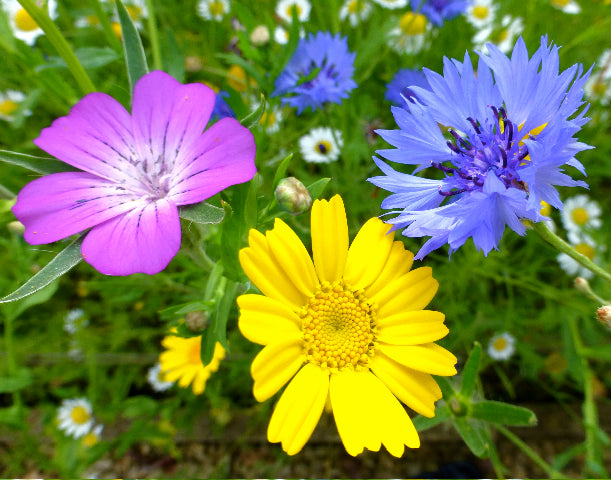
(355,11)
(409,36)
(157,380)
(281,35)
(284,9)
(585,245)
(93,437)
(320,145)
(74,417)
(598,85)
(580,212)
(392,4)
(501,346)
(213,9)
(75,319)
(567,6)
(271,120)
(22,24)
(260,35)
(503,37)
(9,104)
(481,13)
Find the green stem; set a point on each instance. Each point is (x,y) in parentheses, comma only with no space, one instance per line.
(10,351)
(109,33)
(530,453)
(560,245)
(60,44)
(154,35)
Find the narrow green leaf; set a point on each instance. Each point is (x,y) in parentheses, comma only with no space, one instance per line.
(563,459)
(219,325)
(63,261)
(13,417)
(135,58)
(172,55)
(469,374)
(446,388)
(424,423)
(252,119)
(250,206)
(474,436)
(202,213)
(317,187)
(42,165)
(41,296)
(90,58)
(503,413)
(281,170)
(21,380)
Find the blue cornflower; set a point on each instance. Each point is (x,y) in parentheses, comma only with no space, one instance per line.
(501,139)
(439,10)
(398,90)
(320,71)
(221,107)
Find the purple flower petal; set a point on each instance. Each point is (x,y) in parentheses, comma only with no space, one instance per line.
(62,204)
(141,241)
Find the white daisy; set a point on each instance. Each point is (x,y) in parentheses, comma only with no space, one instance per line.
(392,4)
(213,9)
(409,37)
(22,24)
(271,119)
(75,319)
(74,417)
(580,212)
(598,85)
(320,145)
(93,437)
(501,346)
(156,379)
(355,11)
(281,35)
(567,6)
(284,9)
(503,37)
(481,13)
(260,35)
(583,244)
(10,102)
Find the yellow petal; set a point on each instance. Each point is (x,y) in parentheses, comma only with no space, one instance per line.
(299,409)
(398,263)
(199,384)
(293,257)
(367,414)
(368,253)
(412,328)
(260,265)
(187,376)
(329,238)
(428,358)
(417,390)
(409,292)
(275,365)
(264,320)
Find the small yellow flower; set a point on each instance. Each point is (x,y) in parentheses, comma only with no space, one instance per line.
(182,361)
(347,329)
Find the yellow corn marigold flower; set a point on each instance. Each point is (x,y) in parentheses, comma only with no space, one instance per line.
(182,361)
(347,328)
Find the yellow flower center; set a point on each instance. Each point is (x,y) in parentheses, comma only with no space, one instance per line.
(580,216)
(194,356)
(24,22)
(503,34)
(268,119)
(236,78)
(90,439)
(560,3)
(500,344)
(546,209)
(7,107)
(481,12)
(323,147)
(79,415)
(216,8)
(413,23)
(161,376)
(339,327)
(134,12)
(116,28)
(92,20)
(353,6)
(291,8)
(586,250)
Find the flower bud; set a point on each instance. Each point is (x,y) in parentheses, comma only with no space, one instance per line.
(582,285)
(196,321)
(16,227)
(260,35)
(604,315)
(293,196)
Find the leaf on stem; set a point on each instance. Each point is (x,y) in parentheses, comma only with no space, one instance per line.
(135,58)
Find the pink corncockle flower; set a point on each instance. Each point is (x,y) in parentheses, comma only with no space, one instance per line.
(136,170)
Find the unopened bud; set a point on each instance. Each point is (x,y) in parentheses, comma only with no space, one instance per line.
(260,35)
(582,285)
(293,196)
(16,227)
(196,321)
(193,63)
(604,315)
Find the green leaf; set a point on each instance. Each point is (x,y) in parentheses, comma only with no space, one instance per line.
(424,423)
(63,262)
(178,310)
(13,417)
(173,57)
(135,58)
(469,374)
(42,165)
(41,296)
(89,57)
(281,170)
(475,436)
(139,406)
(503,413)
(446,388)
(22,380)
(252,119)
(317,188)
(202,213)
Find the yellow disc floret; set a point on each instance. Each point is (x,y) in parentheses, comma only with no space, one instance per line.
(8,107)
(481,12)
(339,327)
(216,8)
(24,22)
(586,250)
(413,23)
(79,415)
(499,344)
(580,216)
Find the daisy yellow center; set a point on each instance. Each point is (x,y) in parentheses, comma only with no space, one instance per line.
(295,7)
(500,344)
(481,12)
(268,119)
(339,327)
(92,20)
(546,209)
(323,147)
(560,3)
(353,7)
(24,21)
(7,107)
(134,12)
(503,34)
(161,376)
(90,439)
(194,355)
(79,415)
(216,8)
(586,250)
(413,23)
(580,216)
(116,28)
